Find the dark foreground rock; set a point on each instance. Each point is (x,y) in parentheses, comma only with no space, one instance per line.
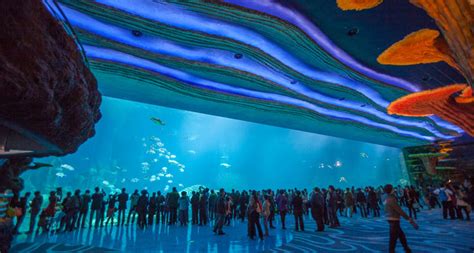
(47,91)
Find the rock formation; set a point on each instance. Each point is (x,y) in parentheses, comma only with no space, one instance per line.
(48,92)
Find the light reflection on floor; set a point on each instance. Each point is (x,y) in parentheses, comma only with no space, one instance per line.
(161,238)
(355,235)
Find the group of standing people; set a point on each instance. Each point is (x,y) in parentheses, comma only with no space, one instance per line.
(79,210)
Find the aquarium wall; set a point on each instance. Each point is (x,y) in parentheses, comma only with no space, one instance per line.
(139,145)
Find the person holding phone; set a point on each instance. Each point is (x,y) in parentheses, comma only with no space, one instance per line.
(393,212)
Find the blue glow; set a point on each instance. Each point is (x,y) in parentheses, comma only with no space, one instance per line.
(293,17)
(119,57)
(179,17)
(224,58)
(121,154)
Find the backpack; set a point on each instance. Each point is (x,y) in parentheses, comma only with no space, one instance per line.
(442,195)
(259,207)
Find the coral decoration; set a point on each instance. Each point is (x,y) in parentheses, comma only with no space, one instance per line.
(419,104)
(429,160)
(466,96)
(430,164)
(357,5)
(445,150)
(423,46)
(455,19)
(439,102)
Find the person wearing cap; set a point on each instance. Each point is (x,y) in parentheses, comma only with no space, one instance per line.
(393,212)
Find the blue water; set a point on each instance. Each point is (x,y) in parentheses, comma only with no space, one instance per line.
(211,151)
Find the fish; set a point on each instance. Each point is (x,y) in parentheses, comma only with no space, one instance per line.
(60,174)
(123,180)
(173,162)
(164,169)
(342,180)
(155,160)
(169,175)
(170,181)
(145,164)
(192,137)
(157,121)
(134,180)
(40,165)
(67,167)
(321,166)
(181,170)
(172,156)
(105,182)
(364,155)
(337,164)
(225,165)
(329,166)
(151,151)
(180,185)
(161,174)
(192,151)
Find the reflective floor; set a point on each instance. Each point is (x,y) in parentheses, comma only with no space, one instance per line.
(355,235)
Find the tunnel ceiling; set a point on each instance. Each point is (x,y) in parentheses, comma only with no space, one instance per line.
(304,65)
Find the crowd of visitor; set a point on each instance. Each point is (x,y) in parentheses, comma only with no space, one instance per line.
(74,210)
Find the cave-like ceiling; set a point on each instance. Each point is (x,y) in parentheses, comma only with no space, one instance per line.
(305,65)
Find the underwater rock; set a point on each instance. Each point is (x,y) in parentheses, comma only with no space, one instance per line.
(47,89)
(357,5)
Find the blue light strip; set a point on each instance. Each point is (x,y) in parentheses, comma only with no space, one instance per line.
(122,58)
(275,9)
(224,58)
(178,17)
(297,19)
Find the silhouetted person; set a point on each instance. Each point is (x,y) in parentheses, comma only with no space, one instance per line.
(96,205)
(23,205)
(203,205)
(361,203)
(161,207)
(254,210)
(297,204)
(111,209)
(393,213)
(133,206)
(142,206)
(122,206)
(220,213)
(83,209)
(183,208)
(152,207)
(103,208)
(332,207)
(194,207)
(73,210)
(212,205)
(173,205)
(282,202)
(317,208)
(35,208)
